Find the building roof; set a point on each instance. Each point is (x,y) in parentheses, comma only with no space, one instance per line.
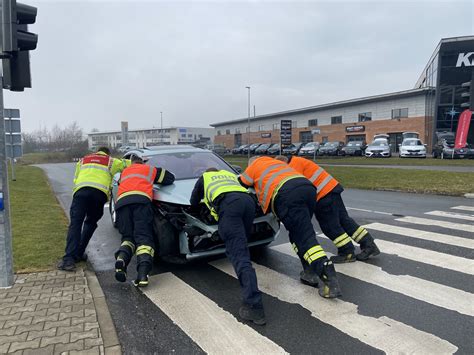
(367,99)
(143,129)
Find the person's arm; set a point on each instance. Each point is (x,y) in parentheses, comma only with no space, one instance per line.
(198,192)
(118,165)
(164,177)
(246,179)
(76,173)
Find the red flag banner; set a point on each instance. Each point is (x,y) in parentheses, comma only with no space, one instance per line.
(463,129)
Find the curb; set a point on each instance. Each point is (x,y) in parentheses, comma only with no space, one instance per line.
(107,328)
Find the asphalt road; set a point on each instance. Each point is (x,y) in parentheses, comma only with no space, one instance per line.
(417,296)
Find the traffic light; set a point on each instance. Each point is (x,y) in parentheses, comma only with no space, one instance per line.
(16,42)
(468,94)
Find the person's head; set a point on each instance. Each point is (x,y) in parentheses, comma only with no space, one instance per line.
(282,158)
(136,159)
(208,170)
(104,150)
(252,159)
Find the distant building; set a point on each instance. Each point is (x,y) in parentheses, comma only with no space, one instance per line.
(150,136)
(434,104)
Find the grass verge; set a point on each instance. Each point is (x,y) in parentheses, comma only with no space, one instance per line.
(38,221)
(406,180)
(43,158)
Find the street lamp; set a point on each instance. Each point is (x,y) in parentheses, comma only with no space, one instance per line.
(248,124)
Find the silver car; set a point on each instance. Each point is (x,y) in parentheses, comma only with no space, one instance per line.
(181,233)
(378,148)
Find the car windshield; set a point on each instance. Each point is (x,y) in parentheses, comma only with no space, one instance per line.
(411,142)
(276,146)
(264,146)
(255,145)
(311,145)
(379,143)
(354,144)
(188,165)
(331,144)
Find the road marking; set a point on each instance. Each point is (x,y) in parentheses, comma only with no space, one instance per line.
(369,211)
(466,217)
(434,222)
(423,290)
(466,208)
(419,234)
(106,205)
(215,330)
(382,333)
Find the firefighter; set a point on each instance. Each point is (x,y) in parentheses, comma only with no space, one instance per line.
(92,180)
(135,218)
(292,198)
(332,214)
(234,209)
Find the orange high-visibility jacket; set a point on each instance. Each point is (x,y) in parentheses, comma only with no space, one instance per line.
(137,179)
(267,175)
(319,177)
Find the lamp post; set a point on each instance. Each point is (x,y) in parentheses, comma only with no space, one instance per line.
(161,114)
(248,124)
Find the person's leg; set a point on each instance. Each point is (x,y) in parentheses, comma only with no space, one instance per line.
(327,215)
(358,233)
(236,214)
(77,214)
(95,211)
(127,248)
(144,239)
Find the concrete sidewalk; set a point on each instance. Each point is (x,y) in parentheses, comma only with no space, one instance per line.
(56,312)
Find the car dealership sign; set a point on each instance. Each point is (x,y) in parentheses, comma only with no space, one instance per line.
(359,128)
(465,59)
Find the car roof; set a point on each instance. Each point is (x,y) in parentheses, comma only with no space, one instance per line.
(164,149)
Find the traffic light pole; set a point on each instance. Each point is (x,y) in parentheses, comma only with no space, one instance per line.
(6,253)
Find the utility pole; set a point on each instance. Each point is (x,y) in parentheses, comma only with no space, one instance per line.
(248,124)
(161,114)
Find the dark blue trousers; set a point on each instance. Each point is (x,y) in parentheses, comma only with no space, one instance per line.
(87,209)
(236,212)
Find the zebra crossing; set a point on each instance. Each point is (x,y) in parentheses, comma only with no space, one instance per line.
(400,302)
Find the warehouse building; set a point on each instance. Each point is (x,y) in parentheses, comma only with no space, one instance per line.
(434,104)
(150,136)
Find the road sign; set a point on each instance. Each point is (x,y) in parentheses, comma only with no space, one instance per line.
(12,126)
(12,133)
(285,133)
(11,113)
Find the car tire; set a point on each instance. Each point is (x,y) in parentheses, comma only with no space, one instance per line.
(166,238)
(113,213)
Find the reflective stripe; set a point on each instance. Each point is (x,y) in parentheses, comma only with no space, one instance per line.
(210,192)
(270,181)
(316,175)
(246,177)
(94,166)
(265,173)
(316,256)
(357,232)
(312,250)
(134,192)
(129,244)
(162,176)
(91,184)
(146,177)
(342,240)
(295,248)
(361,235)
(145,249)
(324,183)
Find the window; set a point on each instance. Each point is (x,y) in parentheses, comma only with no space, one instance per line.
(399,113)
(312,123)
(365,116)
(218,132)
(190,135)
(294,124)
(306,137)
(276,126)
(261,128)
(336,119)
(237,130)
(325,139)
(227,131)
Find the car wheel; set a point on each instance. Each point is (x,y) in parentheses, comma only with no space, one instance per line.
(113,212)
(166,238)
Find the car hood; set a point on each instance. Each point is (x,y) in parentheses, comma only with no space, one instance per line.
(410,147)
(328,148)
(377,147)
(178,193)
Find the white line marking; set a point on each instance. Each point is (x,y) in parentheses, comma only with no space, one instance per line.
(419,234)
(383,333)
(423,290)
(215,330)
(434,222)
(369,211)
(106,205)
(466,217)
(466,208)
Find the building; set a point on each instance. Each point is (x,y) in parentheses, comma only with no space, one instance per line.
(150,136)
(434,104)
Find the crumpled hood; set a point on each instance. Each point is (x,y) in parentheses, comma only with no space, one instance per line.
(178,193)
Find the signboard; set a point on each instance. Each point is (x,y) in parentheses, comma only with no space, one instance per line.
(12,133)
(124,127)
(12,126)
(285,133)
(266,135)
(359,128)
(316,131)
(463,129)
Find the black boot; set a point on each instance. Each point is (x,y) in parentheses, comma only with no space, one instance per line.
(329,287)
(309,277)
(121,267)
(253,314)
(342,258)
(368,250)
(143,269)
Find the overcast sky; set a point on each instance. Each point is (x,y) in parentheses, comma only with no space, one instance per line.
(101,62)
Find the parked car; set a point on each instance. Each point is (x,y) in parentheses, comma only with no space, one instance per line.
(412,147)
(331,148)
(274,149)
(262,149)
(310,149)
(124,149)
(239,150)
(354,148)
(217,148)
(182,233)
(252,148)
(444,148)
(293,149)
(406,135)
(379,148)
